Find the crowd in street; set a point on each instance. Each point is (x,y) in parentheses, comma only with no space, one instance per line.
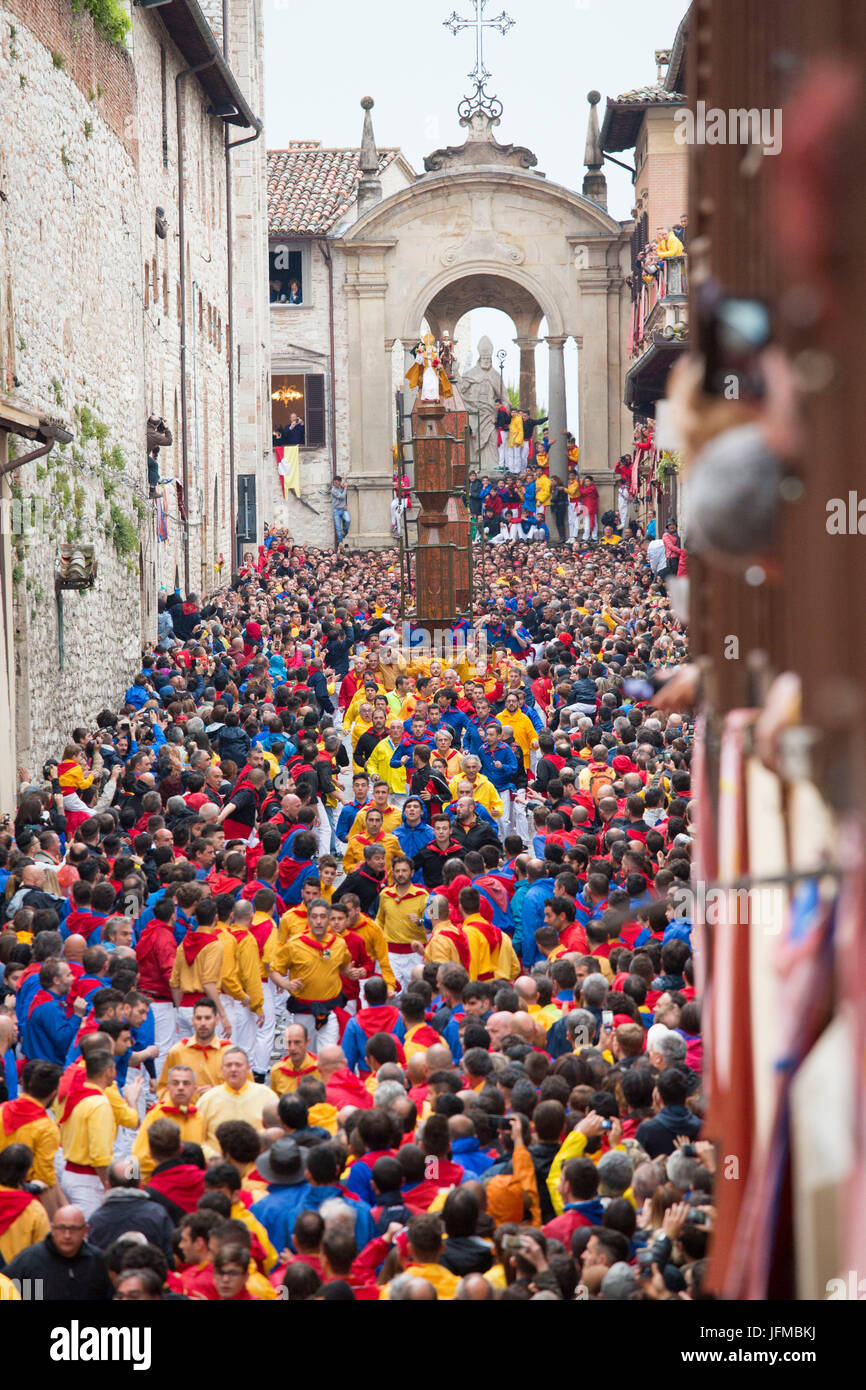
(337,967)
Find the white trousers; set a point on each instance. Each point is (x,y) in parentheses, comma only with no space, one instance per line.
(589,527)
(84,1190)
(165,1031)
(318,1037)
(624,506)
(506,820)
(261,1058)
(245,1031)
(402,964)
(573,522)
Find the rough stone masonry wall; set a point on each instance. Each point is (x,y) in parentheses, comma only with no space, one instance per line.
(82,172)
(70,237)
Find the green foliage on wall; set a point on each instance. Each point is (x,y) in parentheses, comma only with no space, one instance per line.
(108,17)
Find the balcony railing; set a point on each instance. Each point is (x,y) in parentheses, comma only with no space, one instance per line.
(667,288)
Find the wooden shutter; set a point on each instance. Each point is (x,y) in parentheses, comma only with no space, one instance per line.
(314,410)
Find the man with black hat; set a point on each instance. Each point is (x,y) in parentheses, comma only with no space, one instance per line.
(282,1167)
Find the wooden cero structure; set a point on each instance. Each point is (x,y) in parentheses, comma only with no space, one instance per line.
(443,570)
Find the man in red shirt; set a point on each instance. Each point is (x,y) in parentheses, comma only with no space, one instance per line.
(155,952)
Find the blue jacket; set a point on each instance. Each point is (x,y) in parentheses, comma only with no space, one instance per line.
(501,777)
(412,839)
(346,818)
(137,695)
(48,1032)
(278,1211)
(468,1153)
(364,1226)
(531,918)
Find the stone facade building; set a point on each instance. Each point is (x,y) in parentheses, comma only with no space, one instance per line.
(117,204)
(374,253)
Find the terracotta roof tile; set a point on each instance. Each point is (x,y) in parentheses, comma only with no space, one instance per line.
(646,96)
(310,188)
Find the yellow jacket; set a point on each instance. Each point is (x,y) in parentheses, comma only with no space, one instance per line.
(524,730)
(379,767)
(483,792)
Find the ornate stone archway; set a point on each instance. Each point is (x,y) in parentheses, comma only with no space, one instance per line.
(481,226)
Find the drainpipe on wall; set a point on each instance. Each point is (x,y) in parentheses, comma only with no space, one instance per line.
(181,231)
(230,326)
(329,262)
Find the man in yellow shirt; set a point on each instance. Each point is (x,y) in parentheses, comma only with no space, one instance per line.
(400,916)
(370,933)
(23,1219)
(288,1073)
(391,815)
(202,1051)
(309,967)
(178,1107)
(238,1098)
(379,761)
(443,744)
(295,921)
(242,978)
(524,730)
(198,966)
(425,1250)
(27,1121)
(88,1130)
(480,788)
(372,834)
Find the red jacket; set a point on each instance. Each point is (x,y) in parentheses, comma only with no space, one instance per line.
(155,952)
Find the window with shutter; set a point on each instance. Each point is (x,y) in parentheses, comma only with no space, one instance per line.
(314,410)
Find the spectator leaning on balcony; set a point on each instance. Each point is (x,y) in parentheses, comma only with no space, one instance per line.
(667,244)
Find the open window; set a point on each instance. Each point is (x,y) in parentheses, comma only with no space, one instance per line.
(288,275)
(303,395)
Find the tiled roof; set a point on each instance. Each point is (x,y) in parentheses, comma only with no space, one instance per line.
(310,188)
(623,116)
(648,96)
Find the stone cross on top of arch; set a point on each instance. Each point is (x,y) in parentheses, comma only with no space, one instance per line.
(480,100)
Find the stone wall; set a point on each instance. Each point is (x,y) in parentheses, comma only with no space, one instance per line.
(89,327)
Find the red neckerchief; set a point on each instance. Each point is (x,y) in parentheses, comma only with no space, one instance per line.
(178,1110)
(195,941)
(78,1091)
(319,945)
(12,1204)
(261,931)
(42,996)
(456,935)
(17,1113)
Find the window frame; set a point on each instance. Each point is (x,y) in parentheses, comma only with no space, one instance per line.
(303,247)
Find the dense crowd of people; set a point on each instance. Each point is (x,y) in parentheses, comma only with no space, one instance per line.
(337,967)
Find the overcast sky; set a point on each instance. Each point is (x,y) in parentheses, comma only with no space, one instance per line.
(321,59)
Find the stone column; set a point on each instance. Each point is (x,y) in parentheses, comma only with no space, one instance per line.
(527,372)
(556,409)
(371,404)
(597,439)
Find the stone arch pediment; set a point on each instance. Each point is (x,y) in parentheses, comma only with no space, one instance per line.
(480,223)
(389,217)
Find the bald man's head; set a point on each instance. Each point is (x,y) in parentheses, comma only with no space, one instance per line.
(499,1026)
(331,1059)
(525,1026)
(526,988)
(439,1057)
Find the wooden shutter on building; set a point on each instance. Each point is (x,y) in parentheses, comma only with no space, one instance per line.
(314,410)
